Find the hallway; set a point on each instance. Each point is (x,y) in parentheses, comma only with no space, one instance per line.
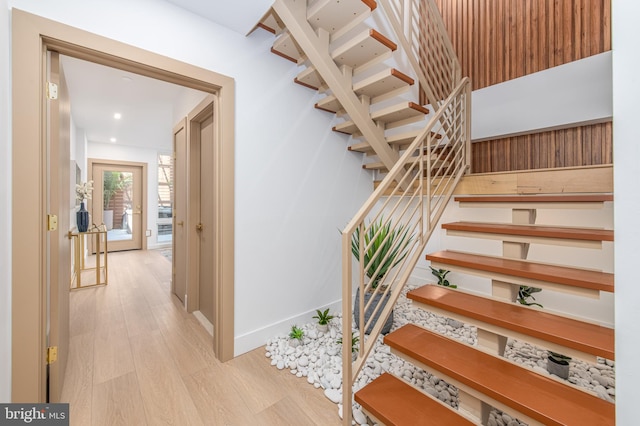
(136,357)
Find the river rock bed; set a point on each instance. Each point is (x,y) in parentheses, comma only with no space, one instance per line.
(318,360)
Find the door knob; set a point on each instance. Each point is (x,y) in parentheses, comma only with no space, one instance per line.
(199,227)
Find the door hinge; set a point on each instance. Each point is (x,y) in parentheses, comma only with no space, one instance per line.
(52,222)
(52,354)
(52,90)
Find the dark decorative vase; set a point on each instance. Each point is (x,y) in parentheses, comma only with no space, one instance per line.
(82,218)
(367,313)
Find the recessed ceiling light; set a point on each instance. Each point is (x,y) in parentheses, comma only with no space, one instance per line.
(127,79)
(117,116)
(113,140)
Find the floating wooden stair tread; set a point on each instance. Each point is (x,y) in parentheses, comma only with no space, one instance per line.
(364,48)
(392,116)
(310,77)
(329,103)
(334,15)
(388,81)
(394,402)
(384,82)
(541,398)
(271,22)
(539,231)
(379,166)
(286,47)
(581,336)
(586,279)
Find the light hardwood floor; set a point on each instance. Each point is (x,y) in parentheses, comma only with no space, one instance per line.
(136,357)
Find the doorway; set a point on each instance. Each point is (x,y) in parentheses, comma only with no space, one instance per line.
(31,36)
(119,202)
(196,218)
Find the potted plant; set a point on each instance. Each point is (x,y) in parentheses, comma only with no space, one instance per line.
(112,183)
(558,364)
(441,275)
(83,192)
(354,344)
(384,247)
(525,293)
(323,320)
(295,336)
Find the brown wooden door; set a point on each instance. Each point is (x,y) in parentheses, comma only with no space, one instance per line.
(58,243)
(179,250)
(205,227)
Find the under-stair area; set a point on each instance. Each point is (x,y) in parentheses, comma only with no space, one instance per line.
(485,379)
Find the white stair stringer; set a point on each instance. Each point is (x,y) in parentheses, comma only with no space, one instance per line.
(293,14)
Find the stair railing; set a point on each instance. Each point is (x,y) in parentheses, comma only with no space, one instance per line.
(411,198)
(420,31)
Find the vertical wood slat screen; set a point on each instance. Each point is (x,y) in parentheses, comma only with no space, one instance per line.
(578,146)
(499,40)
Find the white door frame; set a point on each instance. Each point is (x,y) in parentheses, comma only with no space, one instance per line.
(32,36)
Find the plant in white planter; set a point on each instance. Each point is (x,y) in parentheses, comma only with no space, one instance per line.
(385,246)
(558,364)
(295,336)
(323,319)
(355,339)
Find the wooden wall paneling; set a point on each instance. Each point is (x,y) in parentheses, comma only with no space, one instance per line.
(572,147)
(498,40)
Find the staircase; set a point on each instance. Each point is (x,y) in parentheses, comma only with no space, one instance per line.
(483,377)
(370,62)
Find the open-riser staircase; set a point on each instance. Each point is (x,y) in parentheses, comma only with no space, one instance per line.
(348,51)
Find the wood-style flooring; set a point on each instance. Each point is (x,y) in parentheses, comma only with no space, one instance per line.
(138,358)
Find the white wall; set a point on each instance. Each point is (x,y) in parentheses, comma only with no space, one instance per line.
(626,151)
(571,94)
(5,207)
(116,152)
(296,184)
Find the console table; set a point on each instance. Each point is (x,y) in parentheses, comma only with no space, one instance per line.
(84,275)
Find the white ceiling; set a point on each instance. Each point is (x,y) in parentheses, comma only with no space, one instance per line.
(238,15)
(147,105)
(98,92)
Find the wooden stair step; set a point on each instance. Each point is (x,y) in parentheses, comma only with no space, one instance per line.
(271,22)
(382,83)
(311,78)
(401,141)
(393,116)
(376,165)
(530,233)
(393,402)
(566,201)
(565,332)
(502,384)
(286,47)
(524,272)
(337,15)
(377,87)
(363,49)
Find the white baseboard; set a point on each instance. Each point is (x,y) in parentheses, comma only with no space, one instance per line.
(256,338)
(204,321)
